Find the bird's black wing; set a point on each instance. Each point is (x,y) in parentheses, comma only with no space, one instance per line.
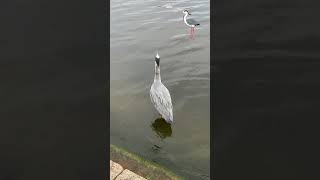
(192,22)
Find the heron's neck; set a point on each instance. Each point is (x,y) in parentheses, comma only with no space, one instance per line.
(157,76)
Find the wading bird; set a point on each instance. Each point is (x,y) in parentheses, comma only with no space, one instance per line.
(160,95)
(190,22)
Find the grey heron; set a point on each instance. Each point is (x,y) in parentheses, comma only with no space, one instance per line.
(160,95)
(190,22)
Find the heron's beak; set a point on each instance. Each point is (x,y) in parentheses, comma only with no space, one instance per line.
(189,13)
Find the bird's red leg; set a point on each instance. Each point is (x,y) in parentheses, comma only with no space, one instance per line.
(193,32)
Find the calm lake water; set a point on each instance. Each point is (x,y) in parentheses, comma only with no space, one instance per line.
(138,29)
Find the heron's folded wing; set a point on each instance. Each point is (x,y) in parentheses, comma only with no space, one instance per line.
(162,102)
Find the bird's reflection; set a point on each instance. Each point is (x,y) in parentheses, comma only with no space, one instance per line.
(162,128)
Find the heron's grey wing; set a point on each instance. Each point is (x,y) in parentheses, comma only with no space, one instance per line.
(161,100)
(192,21)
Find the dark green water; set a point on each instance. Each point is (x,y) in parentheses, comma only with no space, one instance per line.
(138,29)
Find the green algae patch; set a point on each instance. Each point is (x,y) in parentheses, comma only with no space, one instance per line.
(140,166)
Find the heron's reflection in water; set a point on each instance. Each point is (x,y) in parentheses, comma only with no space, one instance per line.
(162,128)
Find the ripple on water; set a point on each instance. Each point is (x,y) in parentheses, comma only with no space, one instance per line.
(187,50)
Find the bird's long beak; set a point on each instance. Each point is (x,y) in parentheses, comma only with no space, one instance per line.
(157,59)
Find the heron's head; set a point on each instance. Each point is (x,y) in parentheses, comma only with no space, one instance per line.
(186,12)
(157,59)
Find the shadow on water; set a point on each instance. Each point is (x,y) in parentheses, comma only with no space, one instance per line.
(162,128)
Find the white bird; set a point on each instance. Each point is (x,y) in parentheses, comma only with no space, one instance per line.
(160,95)
(190,22)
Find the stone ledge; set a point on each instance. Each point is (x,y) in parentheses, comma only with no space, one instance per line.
(115,169)
(118,173)
(129,175)
(141,166)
